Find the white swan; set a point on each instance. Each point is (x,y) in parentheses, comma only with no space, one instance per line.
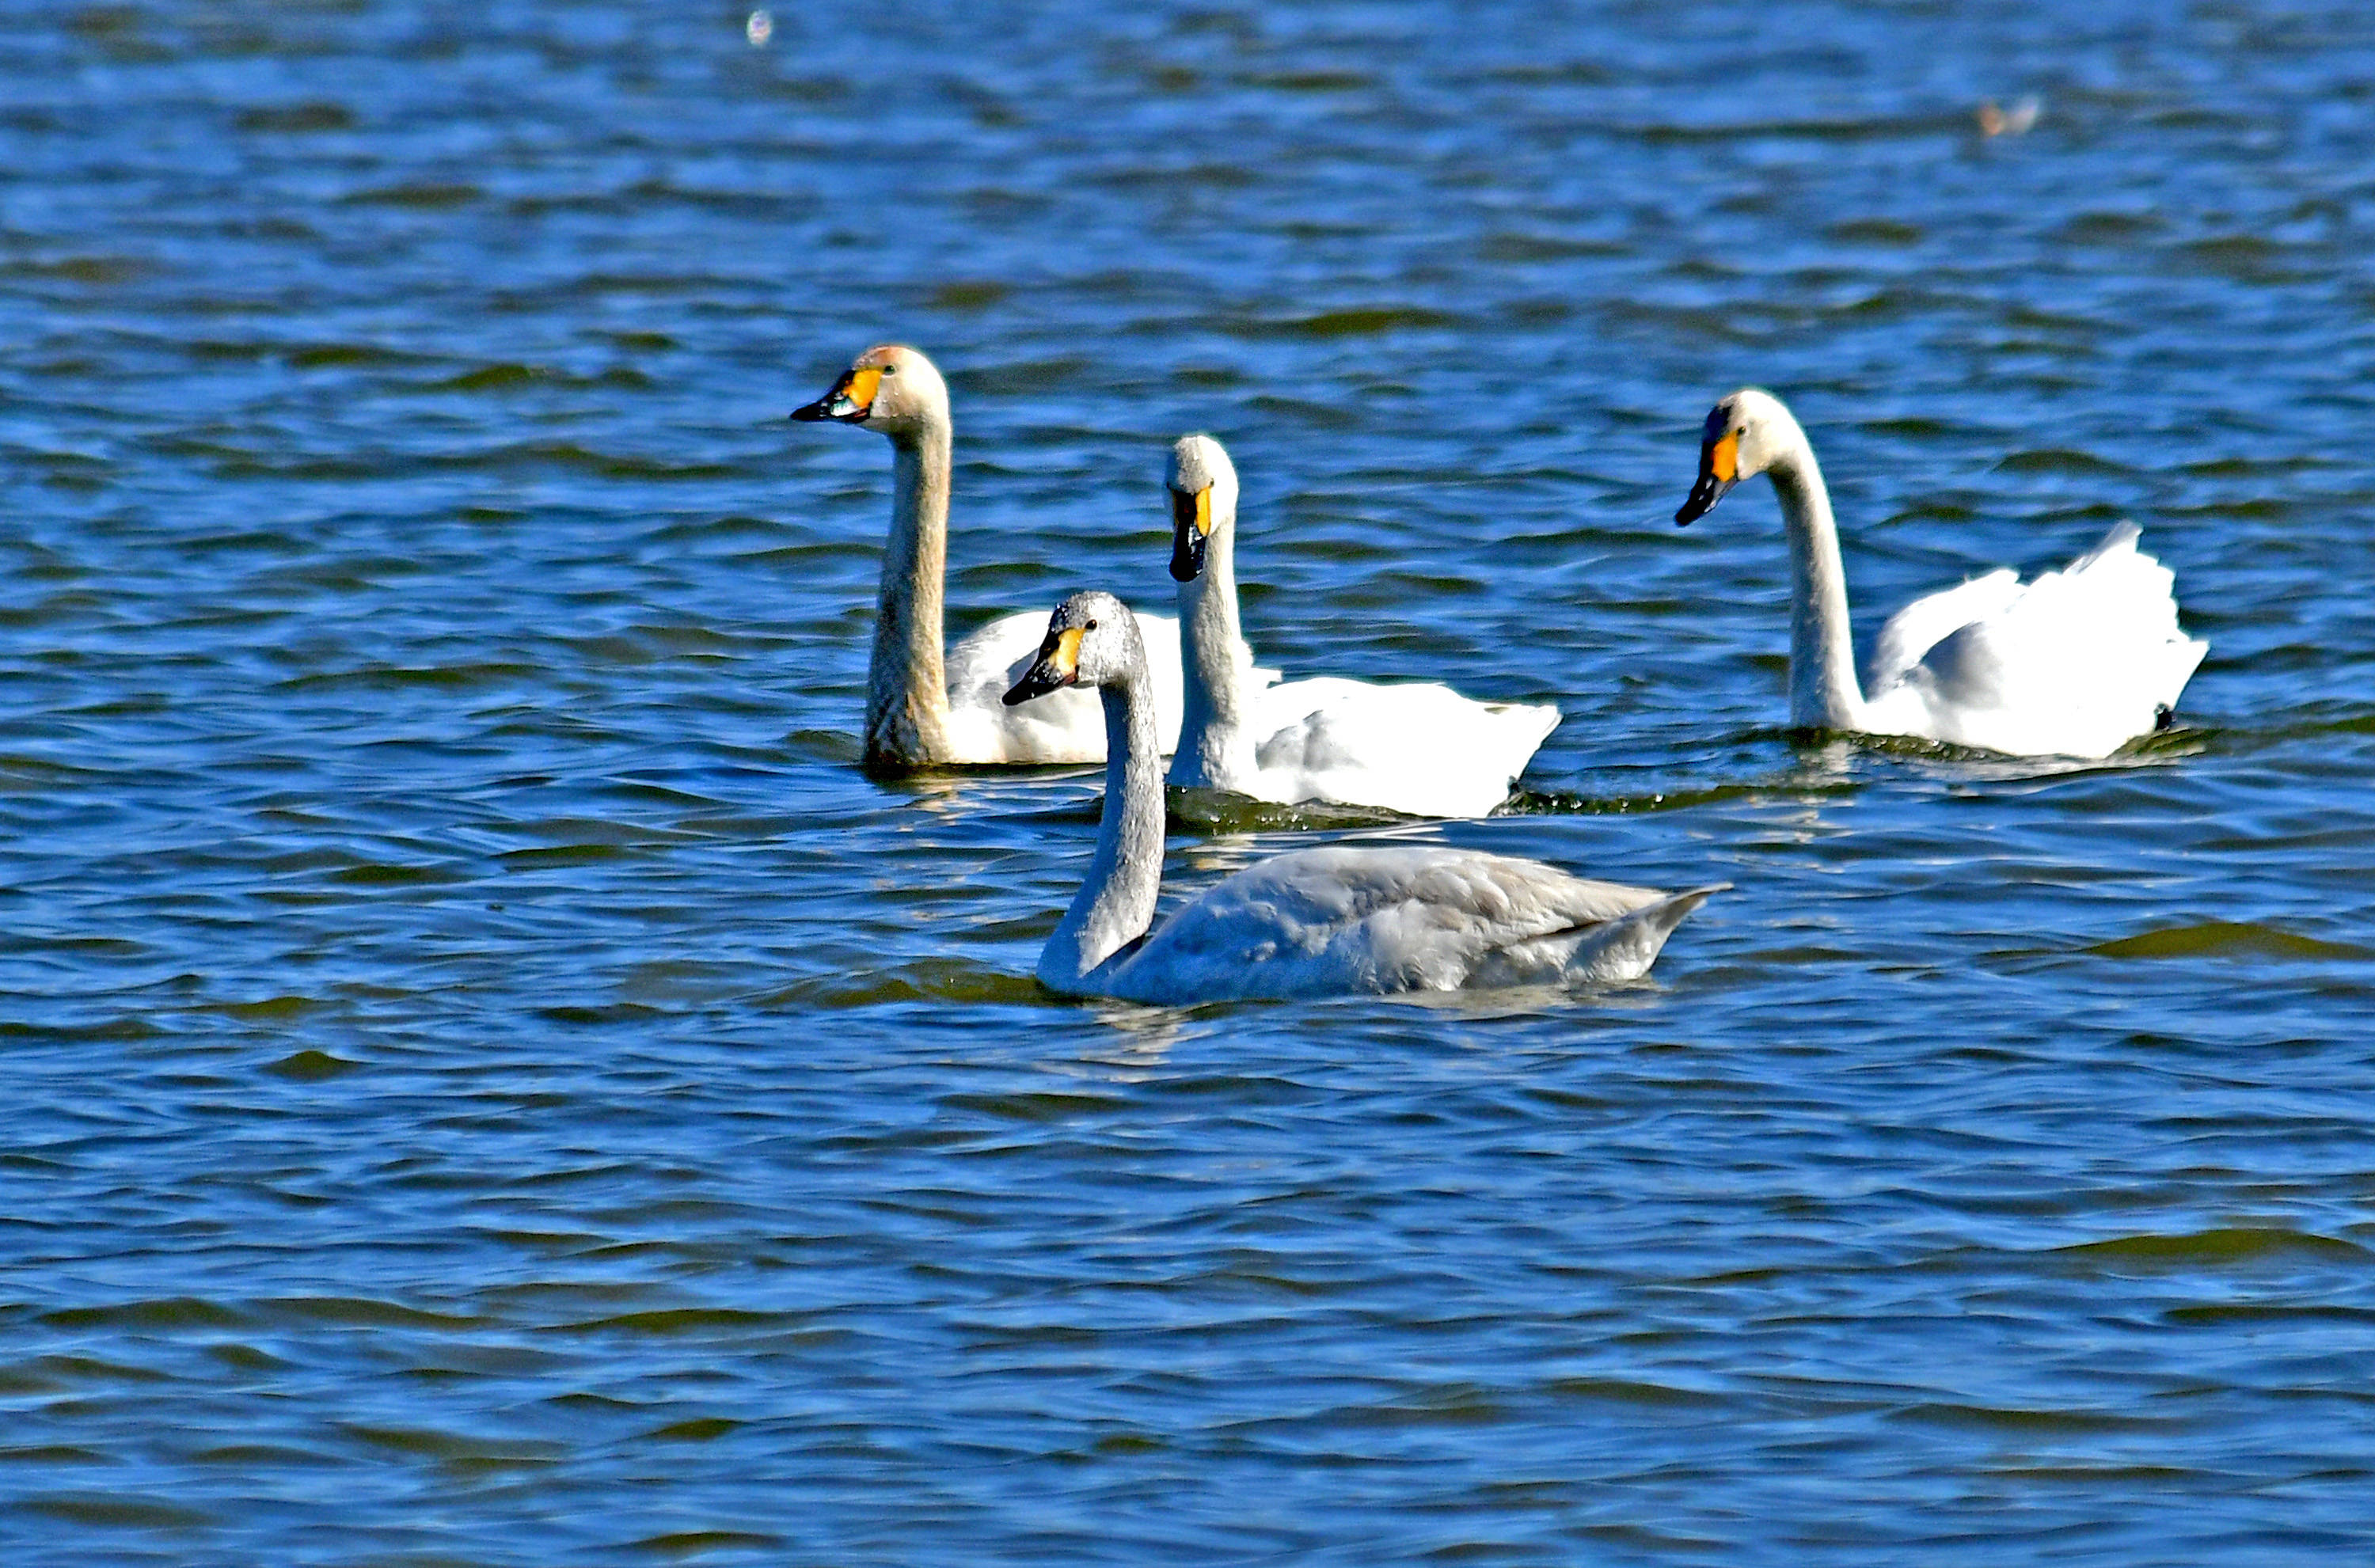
(1318,922)
(1421,747)
(2075,664)
(921,712)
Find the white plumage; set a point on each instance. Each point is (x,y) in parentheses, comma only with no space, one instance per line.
(1343,919)
(2076,663)
(1418,748)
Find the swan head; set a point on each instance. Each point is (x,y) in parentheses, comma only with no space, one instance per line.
(1203,486)
(1746,433)
(890,388)
(1092,641)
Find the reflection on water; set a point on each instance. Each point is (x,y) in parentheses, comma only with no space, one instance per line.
(1138,1037)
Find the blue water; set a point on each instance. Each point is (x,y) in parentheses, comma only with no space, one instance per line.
(494,1083)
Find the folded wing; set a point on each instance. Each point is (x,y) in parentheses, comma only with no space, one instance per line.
(1352,918)
(1420,748)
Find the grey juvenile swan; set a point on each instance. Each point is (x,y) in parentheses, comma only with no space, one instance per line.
(1345,919)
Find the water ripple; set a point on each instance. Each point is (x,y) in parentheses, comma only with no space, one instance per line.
(496,1083)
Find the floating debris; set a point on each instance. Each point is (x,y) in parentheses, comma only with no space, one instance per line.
(2013,121)
(761,27)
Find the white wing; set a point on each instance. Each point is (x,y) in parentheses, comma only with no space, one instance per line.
(1422,749)
(1915,629)
(1354,919)
(2075,664)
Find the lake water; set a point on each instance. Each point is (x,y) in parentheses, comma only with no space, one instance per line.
(495,1084)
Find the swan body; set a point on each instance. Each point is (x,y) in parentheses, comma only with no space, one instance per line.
(2076,663)
(923,709)
(1341,920)
(1348,920)
(1421,747)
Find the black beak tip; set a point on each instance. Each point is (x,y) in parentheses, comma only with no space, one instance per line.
(1038,682)
(1186,555)
(1702,500)
(808,413)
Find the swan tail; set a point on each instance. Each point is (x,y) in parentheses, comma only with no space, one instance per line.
(1517,732)
(1625,948)
(2179,659)
(1530,723)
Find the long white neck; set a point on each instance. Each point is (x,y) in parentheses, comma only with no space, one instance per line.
(1216,741)
(906,685)
(1823,691)
(1115,904)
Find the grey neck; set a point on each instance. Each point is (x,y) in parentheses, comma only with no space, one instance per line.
(1216,743)
(1823,691)
(906,685)
(1116,904)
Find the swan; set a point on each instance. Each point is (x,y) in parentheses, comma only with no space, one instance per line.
(1420,748)
(1345,919)
(2075,664)
(922,711)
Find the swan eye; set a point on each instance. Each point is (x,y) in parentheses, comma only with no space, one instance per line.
(1091,627)
(889,369)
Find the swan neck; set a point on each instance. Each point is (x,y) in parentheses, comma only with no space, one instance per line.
(1116,904)
(1823,691)
(1216,743)
(906,688)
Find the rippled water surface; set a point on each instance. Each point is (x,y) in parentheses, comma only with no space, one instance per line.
(493,1082)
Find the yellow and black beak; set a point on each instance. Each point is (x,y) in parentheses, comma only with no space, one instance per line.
(851,399)
(1058,665)
(1719,471)
(1191,528)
